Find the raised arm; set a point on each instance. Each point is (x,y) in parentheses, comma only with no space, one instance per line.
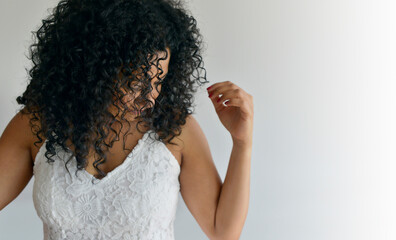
(237,117)
(219,208)
(16,165)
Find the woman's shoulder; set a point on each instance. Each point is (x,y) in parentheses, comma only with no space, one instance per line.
(18,135)
(32,140)
(183,141)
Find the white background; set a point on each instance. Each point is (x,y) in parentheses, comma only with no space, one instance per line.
(323,78)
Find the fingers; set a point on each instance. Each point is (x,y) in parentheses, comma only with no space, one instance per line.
(225,94)
(215,89)
(230,93)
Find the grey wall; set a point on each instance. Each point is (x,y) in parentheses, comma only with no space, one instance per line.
(322,74)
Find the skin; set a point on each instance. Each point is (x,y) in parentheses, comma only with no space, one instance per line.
(220,208)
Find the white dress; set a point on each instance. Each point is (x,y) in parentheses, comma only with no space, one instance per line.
(136,200)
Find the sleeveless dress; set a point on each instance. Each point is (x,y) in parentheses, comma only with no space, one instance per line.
(136,200)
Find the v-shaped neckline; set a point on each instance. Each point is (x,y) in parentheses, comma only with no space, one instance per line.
(124,163)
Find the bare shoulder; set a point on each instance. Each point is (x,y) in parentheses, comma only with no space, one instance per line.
(18,131)
(191,135)
(195,145)
(18,134)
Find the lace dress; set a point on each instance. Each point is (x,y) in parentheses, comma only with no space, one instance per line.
(136,200)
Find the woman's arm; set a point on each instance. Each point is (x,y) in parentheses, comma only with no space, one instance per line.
(200,183)
(16,165)
(219,208)
(233,204)
(237,118)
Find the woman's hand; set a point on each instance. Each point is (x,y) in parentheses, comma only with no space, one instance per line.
(237,115)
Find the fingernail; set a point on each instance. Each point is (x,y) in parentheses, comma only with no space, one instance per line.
(208,88)
(210,94)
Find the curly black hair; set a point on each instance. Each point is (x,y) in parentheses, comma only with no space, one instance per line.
(88,54)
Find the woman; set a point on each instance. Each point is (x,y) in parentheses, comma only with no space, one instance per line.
(110,99)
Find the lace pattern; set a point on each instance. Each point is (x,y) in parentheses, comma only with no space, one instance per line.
(136,200)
